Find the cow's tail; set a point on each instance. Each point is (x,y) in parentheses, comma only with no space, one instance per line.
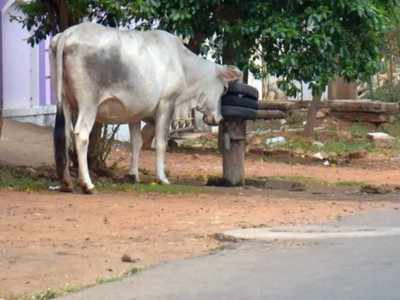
(61,136)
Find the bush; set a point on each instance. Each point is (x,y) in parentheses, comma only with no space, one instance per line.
(389,92)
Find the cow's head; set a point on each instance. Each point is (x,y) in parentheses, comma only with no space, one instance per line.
(216,85)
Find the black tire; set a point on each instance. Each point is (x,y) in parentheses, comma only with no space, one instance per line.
(245,113)
(238,88)
(236,100)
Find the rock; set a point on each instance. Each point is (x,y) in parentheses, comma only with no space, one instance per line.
(197,146)
(376,189)
(126,258)
(320,114)
(358,154)
(326,163)
(279,140)
(375,118)
(381,139)
(255,140)
(320,156)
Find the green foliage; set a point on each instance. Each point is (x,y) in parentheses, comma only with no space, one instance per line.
(316,41)
(358,130)
(311,41)
(392,128)
(303,40)
(343,148)
(48,17)
(389,92)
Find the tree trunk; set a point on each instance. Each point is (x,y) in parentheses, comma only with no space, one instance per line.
(64,15)
(148,133)
(94,152)
(312,115)
(341,89)
(246,76)
(195,42)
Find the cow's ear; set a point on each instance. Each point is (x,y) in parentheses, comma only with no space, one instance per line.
(229,73)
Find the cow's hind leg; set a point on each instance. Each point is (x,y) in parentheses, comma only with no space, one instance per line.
(136,143)
(83,127)
(62,139)
(67,180)
(163,122)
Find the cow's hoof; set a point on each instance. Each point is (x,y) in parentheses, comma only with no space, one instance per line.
(163,181)
(134,178)
(89,190)
(66,187)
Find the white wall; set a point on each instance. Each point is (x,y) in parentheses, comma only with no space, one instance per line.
(20,65)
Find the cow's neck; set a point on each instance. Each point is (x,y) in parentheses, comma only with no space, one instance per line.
(197,68)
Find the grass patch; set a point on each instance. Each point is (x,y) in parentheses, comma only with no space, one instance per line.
(308,181)
(358,130)
(349,184)
(21,179)
(315,182)
(48,294)
(298,143)
(130,272)
(335,146)
(108,185)
(70,288)
(30,180)
(204,141)
(344,148)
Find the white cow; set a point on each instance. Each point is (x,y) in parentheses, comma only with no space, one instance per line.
(108,75)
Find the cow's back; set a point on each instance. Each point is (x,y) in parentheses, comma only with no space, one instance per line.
(135,68)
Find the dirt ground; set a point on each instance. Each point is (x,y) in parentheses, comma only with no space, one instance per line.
(25,144)
(50,239)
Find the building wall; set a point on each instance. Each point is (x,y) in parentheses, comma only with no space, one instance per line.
(24,72)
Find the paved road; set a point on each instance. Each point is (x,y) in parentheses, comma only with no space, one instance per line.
(367,268)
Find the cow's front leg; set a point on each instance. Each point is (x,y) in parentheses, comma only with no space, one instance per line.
(136,143)
(163,121)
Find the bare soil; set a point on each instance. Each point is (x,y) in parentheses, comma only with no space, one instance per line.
(50,239)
